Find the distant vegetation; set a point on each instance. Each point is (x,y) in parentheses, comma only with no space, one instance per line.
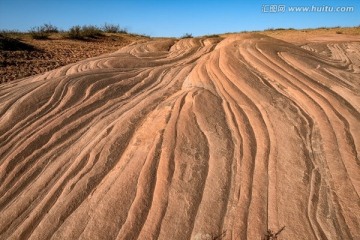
(112,28)
(43,32)
(211,36)
(187,35)
(93,31)
(75,32)
(279,29)
(37,33)
(84,32)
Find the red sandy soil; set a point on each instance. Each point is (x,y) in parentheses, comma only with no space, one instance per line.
(218,138)
(50,54)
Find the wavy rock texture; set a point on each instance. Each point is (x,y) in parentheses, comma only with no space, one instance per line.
(188,139)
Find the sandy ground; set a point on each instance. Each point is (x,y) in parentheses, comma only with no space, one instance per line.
(186,139)
(39,56)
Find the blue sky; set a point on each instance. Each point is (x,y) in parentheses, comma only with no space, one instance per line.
(173,17)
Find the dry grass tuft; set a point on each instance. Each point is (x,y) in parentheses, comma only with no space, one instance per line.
(270,235)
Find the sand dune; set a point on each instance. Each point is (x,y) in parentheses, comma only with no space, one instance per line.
(186,139)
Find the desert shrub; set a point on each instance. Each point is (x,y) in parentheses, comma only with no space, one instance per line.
(279,29)
(112,28)
(187,35)
(139,35)
(91,31)
(49,28)
(86,31)
(43,32)
(75,32)
(39,33)
(339,32)
(212,36)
